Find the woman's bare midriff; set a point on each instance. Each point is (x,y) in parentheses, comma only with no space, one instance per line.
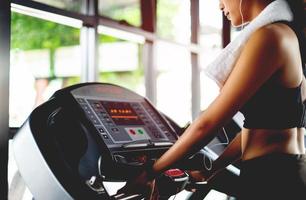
(259,142)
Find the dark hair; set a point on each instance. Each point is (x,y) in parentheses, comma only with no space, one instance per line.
(299,24)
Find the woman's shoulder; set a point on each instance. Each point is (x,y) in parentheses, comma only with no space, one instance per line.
(278,34)
(268,40)
(279,43)
(277,40)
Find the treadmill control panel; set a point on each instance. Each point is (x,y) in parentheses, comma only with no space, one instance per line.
(129,123)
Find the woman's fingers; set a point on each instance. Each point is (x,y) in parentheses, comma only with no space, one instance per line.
(135,188)
(197,176)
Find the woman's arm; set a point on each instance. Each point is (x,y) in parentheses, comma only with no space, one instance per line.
(260,58)
(231,154)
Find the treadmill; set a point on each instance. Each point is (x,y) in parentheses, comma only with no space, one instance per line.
(89,134)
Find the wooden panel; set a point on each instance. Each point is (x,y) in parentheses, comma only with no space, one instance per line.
(148,15)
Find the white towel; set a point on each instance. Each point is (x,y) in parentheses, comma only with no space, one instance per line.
(221,67)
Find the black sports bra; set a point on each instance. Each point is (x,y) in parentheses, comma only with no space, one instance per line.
(274,107)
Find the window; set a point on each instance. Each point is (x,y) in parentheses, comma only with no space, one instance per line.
(43,60)
(211,45)
(120,62)
(70,5)
(174,81)
(126,11)
(173,20)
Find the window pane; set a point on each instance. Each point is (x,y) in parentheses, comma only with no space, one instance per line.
(173,20)
(174,82)
(70,5)
(43,60)
(120,63)
(127,11)
(211,45)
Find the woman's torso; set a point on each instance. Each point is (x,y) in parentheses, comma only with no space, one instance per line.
(258,142)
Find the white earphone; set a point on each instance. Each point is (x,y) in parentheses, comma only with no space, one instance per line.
(243,24)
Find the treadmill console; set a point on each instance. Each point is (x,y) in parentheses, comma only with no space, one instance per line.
(126,122)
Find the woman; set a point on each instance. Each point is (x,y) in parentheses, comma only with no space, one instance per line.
(267,77)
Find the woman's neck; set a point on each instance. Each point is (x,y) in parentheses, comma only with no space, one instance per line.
(255,7)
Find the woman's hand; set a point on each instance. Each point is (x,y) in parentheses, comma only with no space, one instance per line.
(141,185)
(200,176)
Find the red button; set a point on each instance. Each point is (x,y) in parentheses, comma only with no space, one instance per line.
(132,132)
(174,173)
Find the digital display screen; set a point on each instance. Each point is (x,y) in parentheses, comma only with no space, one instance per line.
(122,113)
